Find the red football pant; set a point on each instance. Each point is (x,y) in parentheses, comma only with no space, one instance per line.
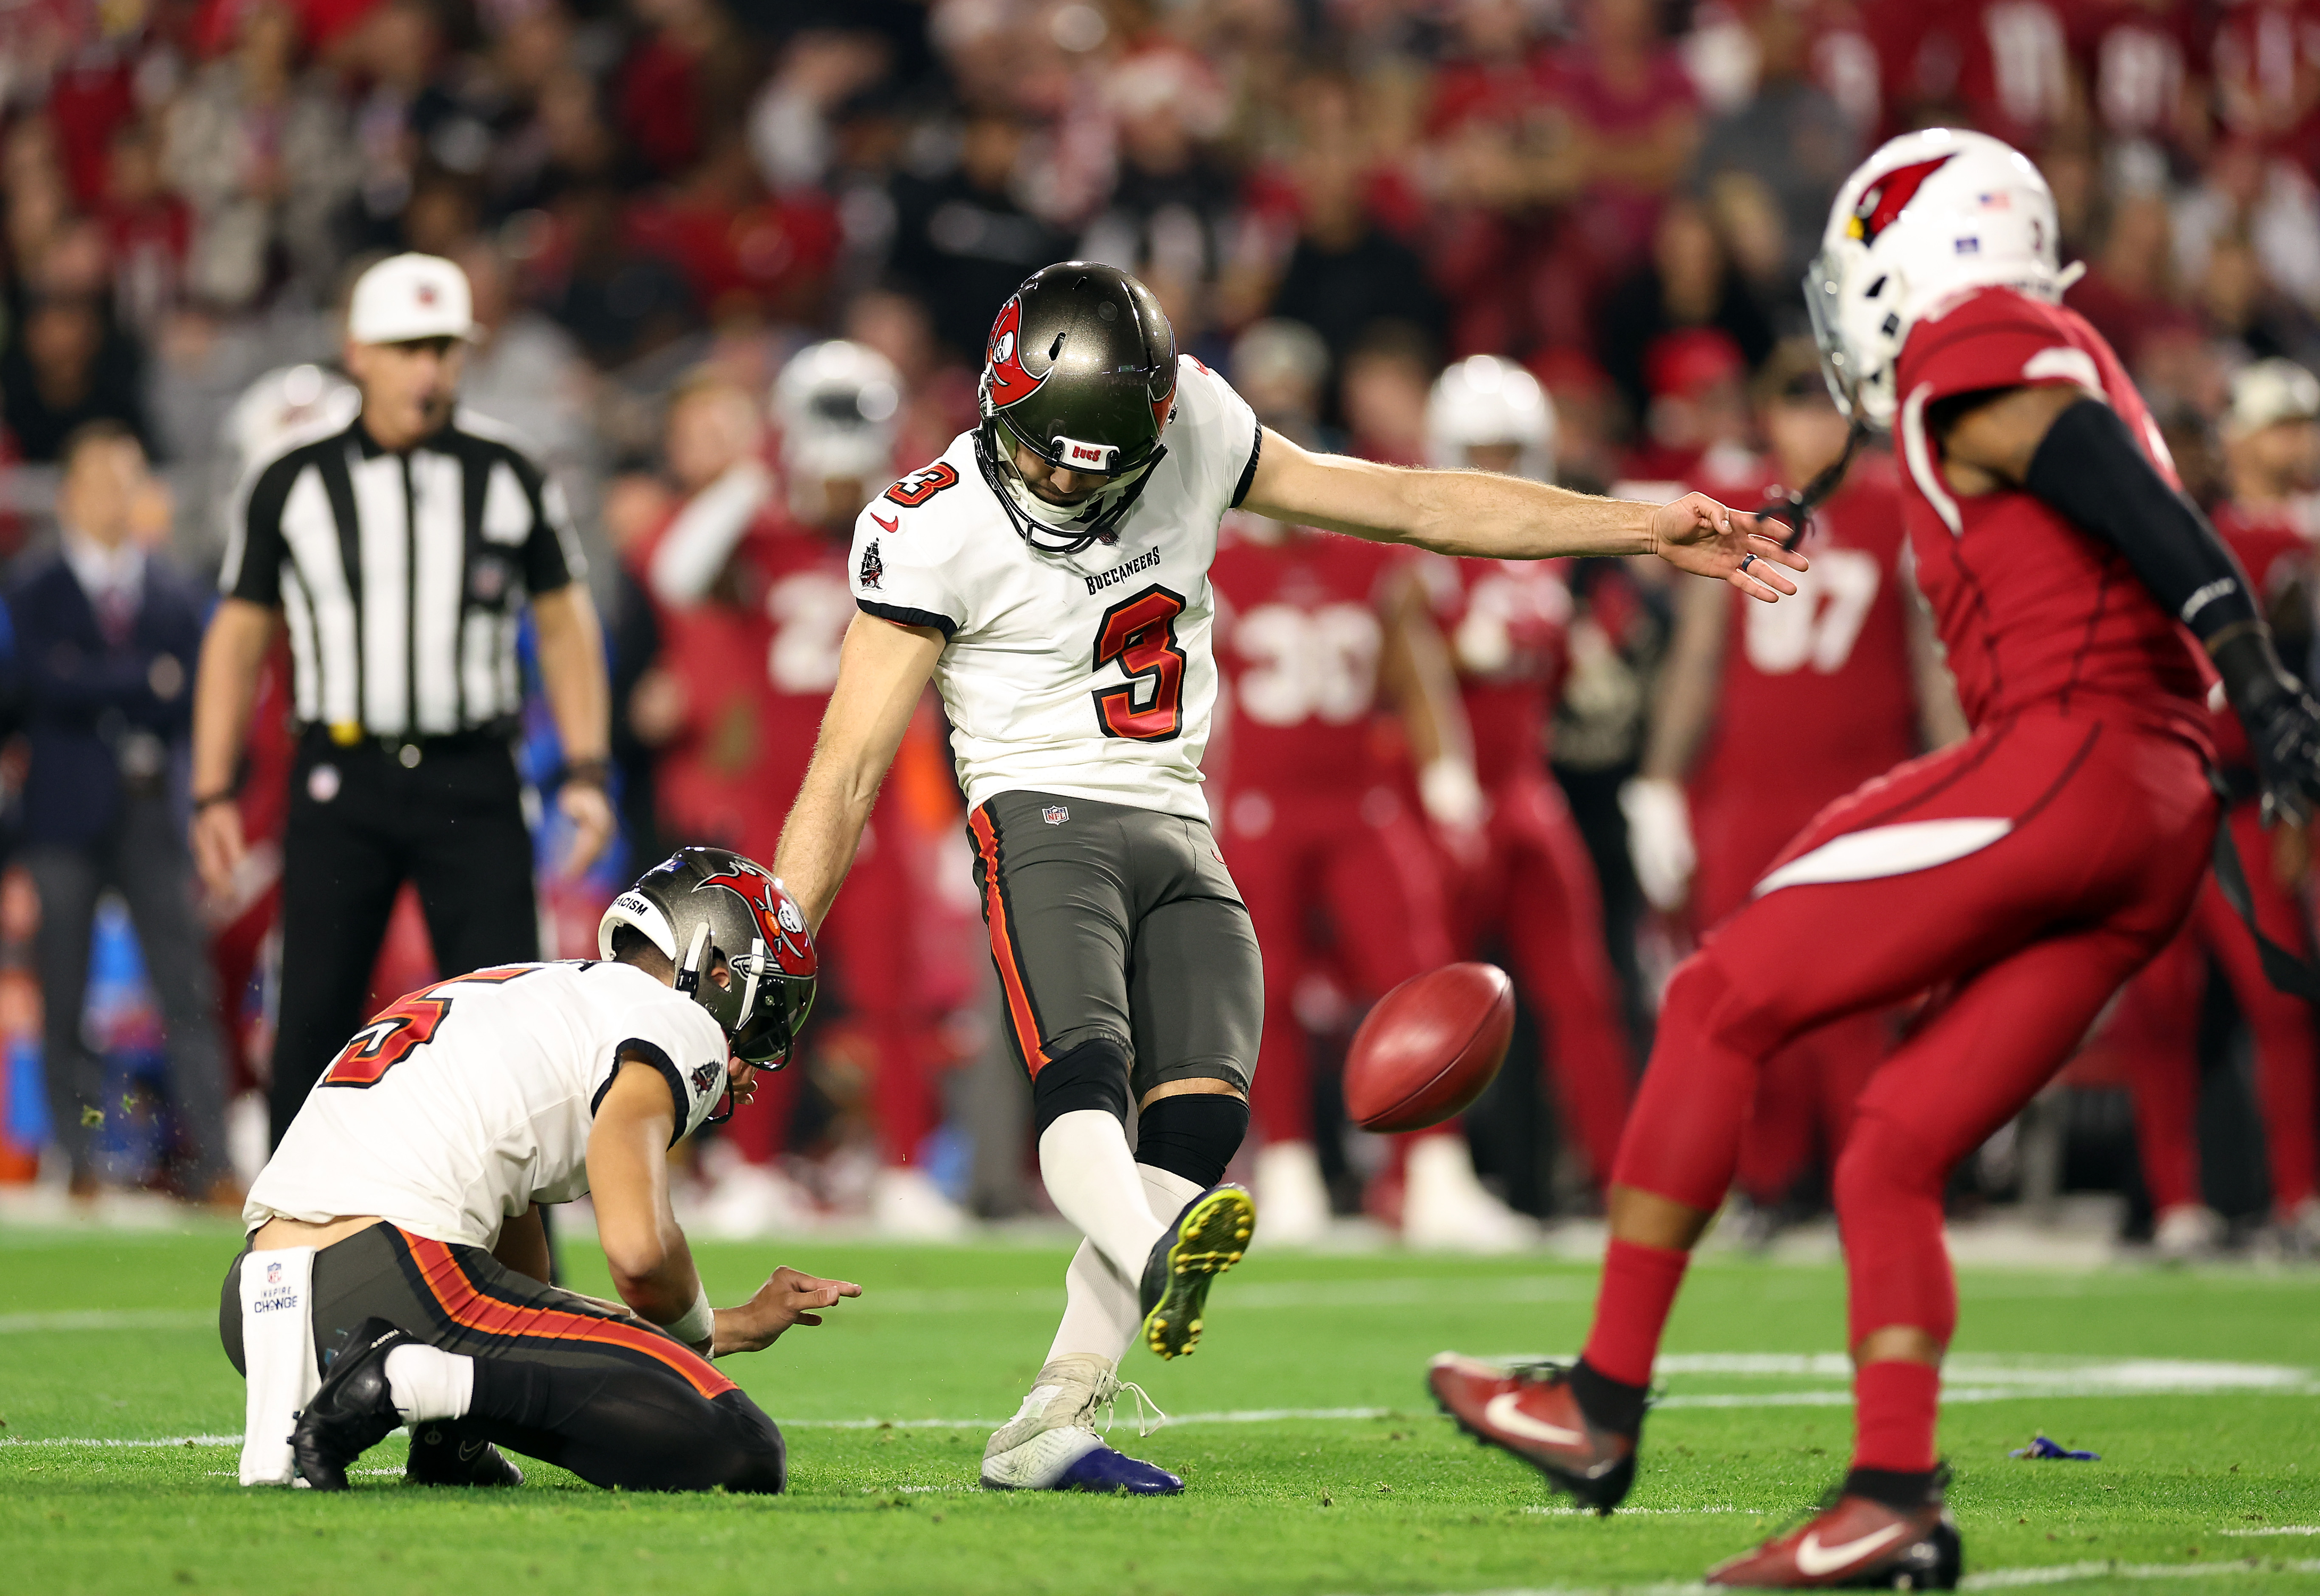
(2157,1026)
(1362,859)
(1536,890)
(1806,1092)
(2028,872)
(1805,1098)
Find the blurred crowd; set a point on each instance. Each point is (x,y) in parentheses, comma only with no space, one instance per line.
(735,264)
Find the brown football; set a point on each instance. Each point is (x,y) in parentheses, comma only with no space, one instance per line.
(1429,1047)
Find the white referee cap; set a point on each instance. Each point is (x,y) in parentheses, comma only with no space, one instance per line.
(2270,391)
(411,296)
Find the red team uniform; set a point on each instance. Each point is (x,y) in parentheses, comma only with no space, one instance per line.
(2023,874)
(2158,1019)
(1507,622)
(1315,815)
(1815,697)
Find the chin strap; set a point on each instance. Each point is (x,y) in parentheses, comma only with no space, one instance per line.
(1050,540)
(1796,509)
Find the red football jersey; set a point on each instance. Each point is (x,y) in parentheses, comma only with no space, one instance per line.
(2275,550)
(2030,607)
(1298,636)
(713,777)
(1817,694)
(807,606)
(1508,624)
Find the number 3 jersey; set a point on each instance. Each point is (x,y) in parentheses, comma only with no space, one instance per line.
(463,1104)
(1088,675)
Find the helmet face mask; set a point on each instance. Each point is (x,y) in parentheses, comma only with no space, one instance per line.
(1079,372)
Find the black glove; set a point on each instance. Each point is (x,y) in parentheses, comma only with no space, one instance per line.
(2283,726)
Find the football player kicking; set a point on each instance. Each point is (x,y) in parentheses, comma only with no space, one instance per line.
(417,1164)
(2026,872)
(1049,573)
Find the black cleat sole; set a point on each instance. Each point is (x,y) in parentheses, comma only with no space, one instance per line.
(1210,1235)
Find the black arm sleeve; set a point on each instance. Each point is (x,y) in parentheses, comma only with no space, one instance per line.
(2090,467)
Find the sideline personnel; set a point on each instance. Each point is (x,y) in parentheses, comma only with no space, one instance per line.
(401,549)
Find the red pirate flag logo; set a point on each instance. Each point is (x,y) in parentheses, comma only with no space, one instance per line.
(1004,380)
(779,920)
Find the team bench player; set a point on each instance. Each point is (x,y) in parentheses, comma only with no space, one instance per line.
(397,1267)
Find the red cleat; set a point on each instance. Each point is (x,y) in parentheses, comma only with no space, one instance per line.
(1855,1541)
(1533,1413)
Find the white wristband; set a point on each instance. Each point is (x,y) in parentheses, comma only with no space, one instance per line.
(1452,796)
(697,1323)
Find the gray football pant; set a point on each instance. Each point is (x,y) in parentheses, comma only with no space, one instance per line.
(1118,924)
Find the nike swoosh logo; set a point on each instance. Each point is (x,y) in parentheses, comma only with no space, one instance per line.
(471,1450)
(893,525)
(1814,1560)
(1505,1413)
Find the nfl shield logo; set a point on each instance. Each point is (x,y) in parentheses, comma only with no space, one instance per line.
(1055,814)
(273,1274)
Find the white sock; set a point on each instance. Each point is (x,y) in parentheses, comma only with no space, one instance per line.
(1167,1192)
(1102,1308)
(1092,1179)
(429,1383)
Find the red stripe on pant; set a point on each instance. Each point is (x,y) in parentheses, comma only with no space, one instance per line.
(469,1307)
(1019,1013)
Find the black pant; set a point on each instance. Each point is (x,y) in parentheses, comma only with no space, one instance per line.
(144,856)
(362,822)
(556,1377)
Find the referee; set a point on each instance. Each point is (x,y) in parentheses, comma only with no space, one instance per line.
(402,549)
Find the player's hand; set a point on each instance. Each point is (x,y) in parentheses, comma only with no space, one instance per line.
(2283,727)
(1697,534)
(788,1298)
(591,814)
(219,848)
(1659,840)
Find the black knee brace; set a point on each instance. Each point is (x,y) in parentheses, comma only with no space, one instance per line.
(1194,1135)
(1091,1075)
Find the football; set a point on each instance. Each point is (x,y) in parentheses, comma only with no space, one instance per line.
(1429,1047)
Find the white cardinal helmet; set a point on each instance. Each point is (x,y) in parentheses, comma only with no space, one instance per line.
(1483,400)
(837,404)
(1930,215)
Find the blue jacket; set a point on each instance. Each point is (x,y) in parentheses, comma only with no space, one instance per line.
(79,697)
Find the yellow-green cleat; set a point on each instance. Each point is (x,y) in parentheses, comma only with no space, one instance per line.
(1206,1239)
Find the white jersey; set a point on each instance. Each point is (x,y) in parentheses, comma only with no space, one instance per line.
(1088,675)
(463,1104)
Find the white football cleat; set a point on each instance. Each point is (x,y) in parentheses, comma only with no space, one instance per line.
(907,1205)
(1291,1194)
(1052,1443)
(1445,1208)
(2187,1233)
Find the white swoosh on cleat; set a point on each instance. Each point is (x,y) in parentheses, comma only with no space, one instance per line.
(1813,1559)
(1505,1413)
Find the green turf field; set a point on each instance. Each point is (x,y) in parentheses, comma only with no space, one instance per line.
(1314,1462)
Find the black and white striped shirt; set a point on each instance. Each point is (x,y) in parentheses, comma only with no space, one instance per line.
(402,576)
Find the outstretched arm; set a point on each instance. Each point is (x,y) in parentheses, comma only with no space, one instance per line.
(646,1250)
(1493,517)
(882,670)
